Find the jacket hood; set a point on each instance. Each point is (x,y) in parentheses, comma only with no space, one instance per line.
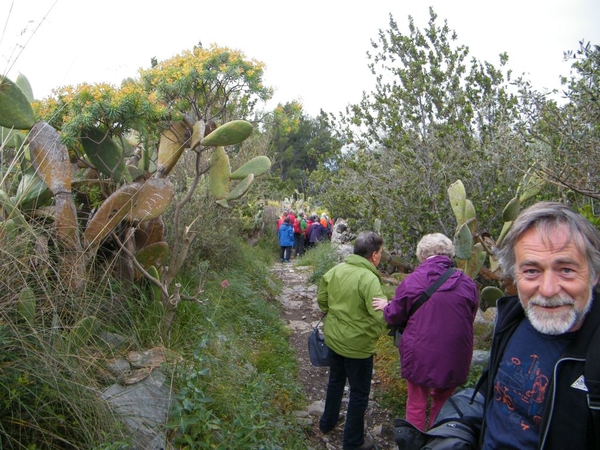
(433,267)
(357,260)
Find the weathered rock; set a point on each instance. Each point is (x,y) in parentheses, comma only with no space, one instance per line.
(144,408)
(340,233)
(113,340)
(151,358)
(316,408)
(480,358)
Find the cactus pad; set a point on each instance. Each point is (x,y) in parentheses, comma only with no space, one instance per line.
(197,133)
(511,210)
(25,86)
(458,197)
(218,176)
(530,186)
(230,133)
(463,242)
(151,199)
(172,144)
(258,166)
(475,262)
(15,109)
(489,296)
(82,332)
(149,232)
(241,188)
(155,255)
(31,188)
(50,157)
(110,213)
(11,138)
(104,154)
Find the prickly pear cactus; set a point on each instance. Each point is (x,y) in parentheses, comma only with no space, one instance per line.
(230,133)
(15,109)
(472,250)
(173,142)
(128,176)
(220,174)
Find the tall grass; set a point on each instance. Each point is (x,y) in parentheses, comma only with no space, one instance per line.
(47,389)
(236,386)
(239,387)
(321,257)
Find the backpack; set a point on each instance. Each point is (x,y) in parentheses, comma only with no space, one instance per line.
(297,226)
(451,431)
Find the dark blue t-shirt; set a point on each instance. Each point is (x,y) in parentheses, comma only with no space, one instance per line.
(514,414)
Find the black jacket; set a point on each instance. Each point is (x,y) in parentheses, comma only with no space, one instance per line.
(566,420)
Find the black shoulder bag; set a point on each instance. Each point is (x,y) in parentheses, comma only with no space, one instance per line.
(318,351)
(397,330)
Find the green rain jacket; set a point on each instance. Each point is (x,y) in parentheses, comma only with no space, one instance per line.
(346,293)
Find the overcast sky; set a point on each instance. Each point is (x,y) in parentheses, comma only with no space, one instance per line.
(314,51)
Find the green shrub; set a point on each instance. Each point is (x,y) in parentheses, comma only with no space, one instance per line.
(321,257)
(238,387)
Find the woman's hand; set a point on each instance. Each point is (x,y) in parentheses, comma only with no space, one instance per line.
(379,303)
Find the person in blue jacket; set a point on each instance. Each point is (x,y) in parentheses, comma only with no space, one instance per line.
(286,240)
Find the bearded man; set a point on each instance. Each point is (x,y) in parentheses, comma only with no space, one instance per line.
(536,396)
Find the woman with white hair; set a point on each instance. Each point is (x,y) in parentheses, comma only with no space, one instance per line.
(437,343)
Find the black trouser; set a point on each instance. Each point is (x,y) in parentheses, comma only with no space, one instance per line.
(299,243)
(359,373)
(285,252)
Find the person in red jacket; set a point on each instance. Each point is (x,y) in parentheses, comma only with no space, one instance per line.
(292,216)
(284,214)
(299,234)
(309,222)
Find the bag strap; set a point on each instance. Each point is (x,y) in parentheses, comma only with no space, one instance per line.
(434,287)
(592,381)
(322,317)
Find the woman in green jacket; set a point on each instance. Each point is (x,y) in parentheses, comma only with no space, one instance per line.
(351,330)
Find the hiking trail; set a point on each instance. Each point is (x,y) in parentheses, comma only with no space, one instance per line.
(301,313)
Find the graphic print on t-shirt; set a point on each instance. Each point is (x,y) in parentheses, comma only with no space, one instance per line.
(521,385)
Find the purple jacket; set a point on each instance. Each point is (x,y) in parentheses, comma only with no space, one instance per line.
(317,233)
(437,344)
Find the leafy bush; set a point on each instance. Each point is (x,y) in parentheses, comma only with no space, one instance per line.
(321,257)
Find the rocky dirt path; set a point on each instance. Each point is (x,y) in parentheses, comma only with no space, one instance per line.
(301,313)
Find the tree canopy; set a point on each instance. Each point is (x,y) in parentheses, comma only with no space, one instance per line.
(434,117)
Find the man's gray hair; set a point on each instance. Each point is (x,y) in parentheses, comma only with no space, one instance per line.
(367,243)
(434,244)
(546,217)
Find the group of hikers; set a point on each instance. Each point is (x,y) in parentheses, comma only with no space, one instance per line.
(300,232)
(541,389)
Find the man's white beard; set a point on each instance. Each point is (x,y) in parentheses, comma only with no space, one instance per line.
(555,322)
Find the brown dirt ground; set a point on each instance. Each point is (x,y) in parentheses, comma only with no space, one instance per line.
(301,313)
